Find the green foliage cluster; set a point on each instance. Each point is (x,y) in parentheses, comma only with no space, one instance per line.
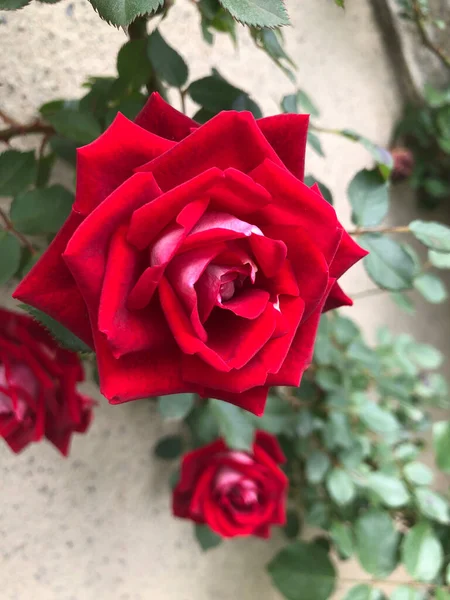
(425,129)
(360,462)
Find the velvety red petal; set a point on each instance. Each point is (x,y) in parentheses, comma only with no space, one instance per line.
(162,119)
(308,263)
(270,253)
(50,286)
(107,162)
(337,298)
(249,304)
(287,134)
(126,330)
(270,444)
(86,252)
(242,146)
(150,220)
(301,351)
(348,253)
(253,400)
(238,194)
(296,204)
(274,353)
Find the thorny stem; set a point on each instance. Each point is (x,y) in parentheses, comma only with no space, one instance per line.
(420,22)
(33,128)
(413,584)
(362,230)
(10,227)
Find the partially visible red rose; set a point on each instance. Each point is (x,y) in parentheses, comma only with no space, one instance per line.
(195,258)
(403,163)
(38,396)
(234,492)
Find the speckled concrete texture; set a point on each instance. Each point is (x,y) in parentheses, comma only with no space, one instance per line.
(98,525)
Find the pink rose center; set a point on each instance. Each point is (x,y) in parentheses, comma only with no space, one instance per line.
(19,383)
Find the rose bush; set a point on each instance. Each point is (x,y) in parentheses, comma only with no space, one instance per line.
(38,396)
(234,492)
(195,259)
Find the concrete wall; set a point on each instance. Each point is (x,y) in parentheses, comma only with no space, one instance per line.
(98,525)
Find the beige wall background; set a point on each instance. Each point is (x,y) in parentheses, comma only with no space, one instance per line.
(98,525)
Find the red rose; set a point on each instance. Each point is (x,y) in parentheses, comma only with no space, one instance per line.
(195,259)
(38,397)
(234,492)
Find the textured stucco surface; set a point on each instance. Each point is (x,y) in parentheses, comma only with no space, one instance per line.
(98,524)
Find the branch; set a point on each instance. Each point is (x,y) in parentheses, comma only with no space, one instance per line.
(413,584)
(33,128)
(362,230)
(420,21)
(10,227)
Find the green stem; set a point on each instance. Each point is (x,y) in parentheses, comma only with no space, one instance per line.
(362,230)
(137,30)
(420,22)
(10,227)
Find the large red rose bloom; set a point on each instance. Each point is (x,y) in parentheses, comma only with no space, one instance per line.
(195,259)
(38,396)
(234,492)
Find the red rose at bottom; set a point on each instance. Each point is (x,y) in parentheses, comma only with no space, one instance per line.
(38,396)
(232,491)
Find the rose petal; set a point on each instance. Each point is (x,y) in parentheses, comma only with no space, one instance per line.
(162,119)
(287,134)
(127,331)
(150,220)
(296,204)
(270,445)
(337,298)
(85,254)
(242,146)
(107,162)
(50,286)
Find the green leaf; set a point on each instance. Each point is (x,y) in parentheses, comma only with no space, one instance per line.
(341,4)
(425,356)
(80,127)
(258,13)
(315,143)
(431,287)
(44,168)
(378,419)
(63,336)
(133,65)
(337,431)
(64,149)
(122,12)
(434,235)
(433,506)
(203,425)
(17,171)
(418,473)
(305,102)
(235,424)
(169,447)
(406,593)
(214,93)
(383,158)
(442,595)
(270,41)
(10,252)
(369,197)
(403,302)
(436,98)
(388,264)
(422,552)
(390,490)
(206,538)
(303,571)
(340,486)
(293,525)
(342,536)
(244,102)
(441,442)
(175,406)
(317,465)
(364,592)
(439,259)
(277,417)
(166,61)
(42,210)
(377,543)
(13,4)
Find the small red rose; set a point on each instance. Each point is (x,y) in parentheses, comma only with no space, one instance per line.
(195,259)
(38,396)
(234,492)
